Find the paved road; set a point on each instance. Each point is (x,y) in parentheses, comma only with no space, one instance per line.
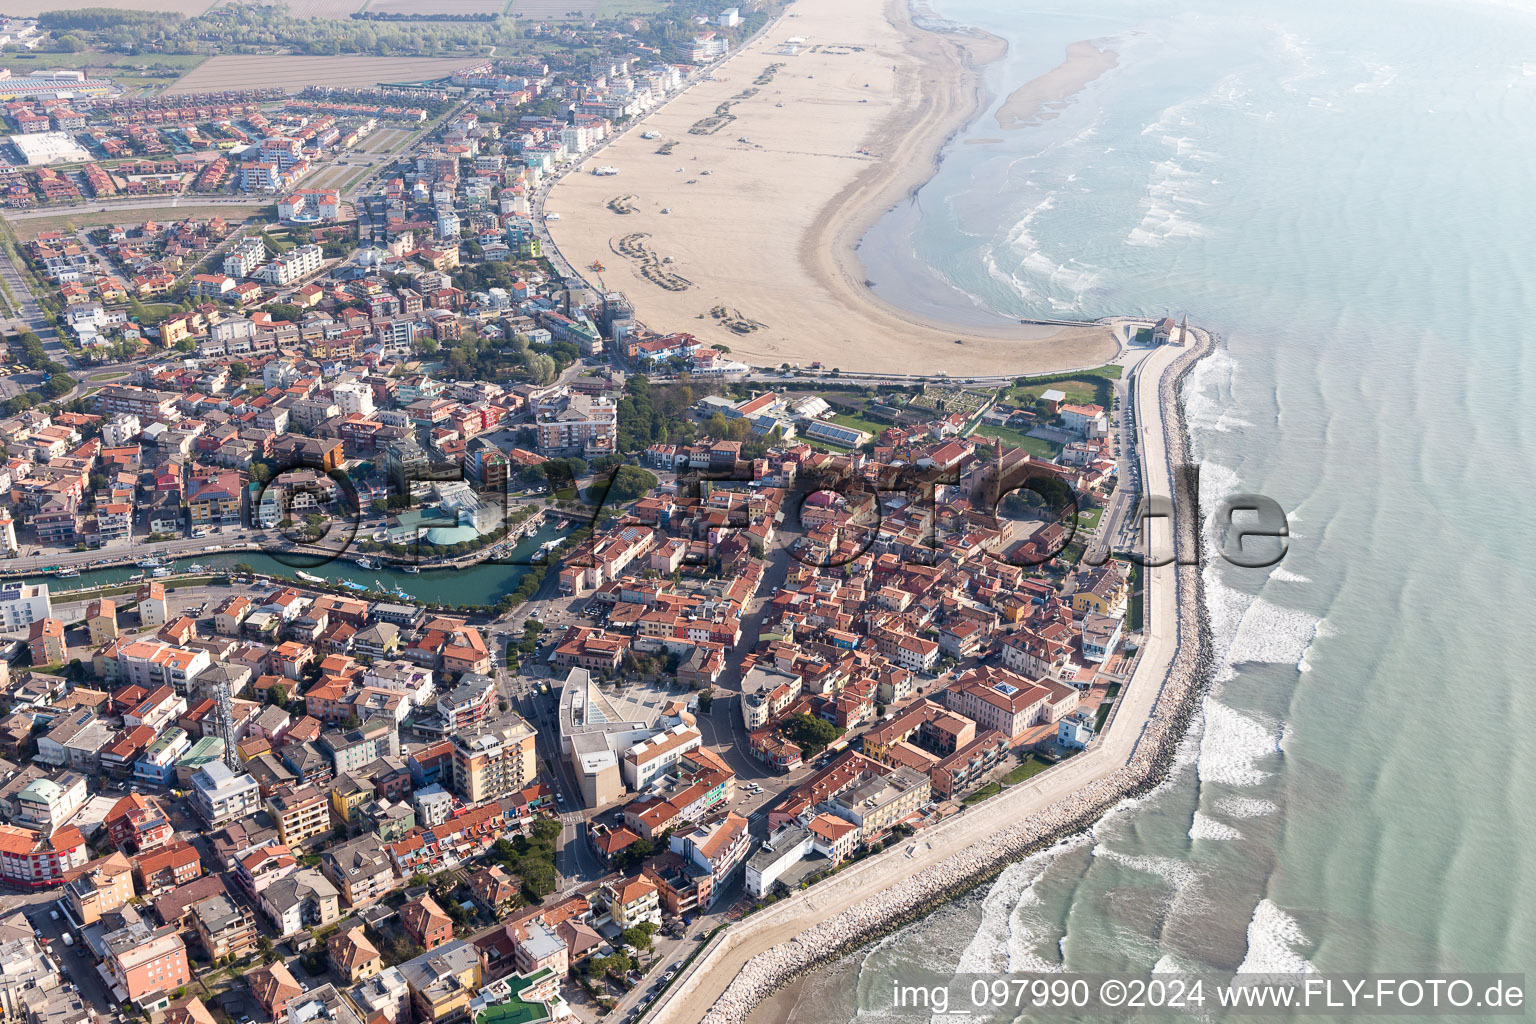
(29,315)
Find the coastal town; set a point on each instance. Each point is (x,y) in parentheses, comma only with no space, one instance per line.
(396,625)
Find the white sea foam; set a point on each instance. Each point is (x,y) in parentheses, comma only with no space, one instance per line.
(1170,964)
(1283,575)
(1272,634)
(1206,827)
(1273,936)
(1231,745)
(1008,932)
(1206,395)
(1381,76)
(1245,807)
(1179,874)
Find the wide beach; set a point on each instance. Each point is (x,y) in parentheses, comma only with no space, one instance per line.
(775,169)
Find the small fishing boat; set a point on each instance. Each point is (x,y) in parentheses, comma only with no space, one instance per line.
(67,573)
(366,563)
(309,577)
(412,569)
(150,563)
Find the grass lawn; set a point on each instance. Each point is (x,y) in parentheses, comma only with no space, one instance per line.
(1088,519)
(1027,769)
(157,311)
(848,419)
(1098,723)
(1036,446)
(991,789)
(1086,388)
(1133,606)
(146,65)
(822,444)
(69,220)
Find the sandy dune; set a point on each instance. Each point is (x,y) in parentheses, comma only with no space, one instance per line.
(761,233)
(1041,99)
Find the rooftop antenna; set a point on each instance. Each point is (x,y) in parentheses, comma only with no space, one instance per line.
(224,720)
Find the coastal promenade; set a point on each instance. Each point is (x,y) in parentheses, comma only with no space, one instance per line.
(756,956)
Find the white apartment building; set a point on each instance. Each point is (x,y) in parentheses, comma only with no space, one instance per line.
(294,265)
(22,604)
(245,257)
(353,397)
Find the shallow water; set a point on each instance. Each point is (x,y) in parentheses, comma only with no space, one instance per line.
(1337,191)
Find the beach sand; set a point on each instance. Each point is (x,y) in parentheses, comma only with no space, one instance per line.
(837,134)
(1041,99)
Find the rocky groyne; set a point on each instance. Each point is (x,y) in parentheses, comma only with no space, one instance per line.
(920,892)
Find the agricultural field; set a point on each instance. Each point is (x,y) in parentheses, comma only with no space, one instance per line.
(555,10)
(442,7)
(335,10)
(614,8)
(32,8)
(238,71)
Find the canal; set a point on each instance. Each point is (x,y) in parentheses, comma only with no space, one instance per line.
(482,584)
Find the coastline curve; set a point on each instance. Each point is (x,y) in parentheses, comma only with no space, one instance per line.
(869,899)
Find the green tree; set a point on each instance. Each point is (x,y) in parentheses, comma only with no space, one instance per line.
(638,936)
(811,733)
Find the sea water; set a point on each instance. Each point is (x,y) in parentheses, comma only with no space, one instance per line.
(1341,192)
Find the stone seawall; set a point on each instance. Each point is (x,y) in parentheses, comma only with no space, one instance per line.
(919,893)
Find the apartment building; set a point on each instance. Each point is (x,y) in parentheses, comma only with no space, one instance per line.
(22,604)
(287,267)
(495,759)
(576,424)
(300,813)
(145,966)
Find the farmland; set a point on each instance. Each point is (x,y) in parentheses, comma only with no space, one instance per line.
(32,8)
(441,7)
(238,71)
(335,9)
(555,10)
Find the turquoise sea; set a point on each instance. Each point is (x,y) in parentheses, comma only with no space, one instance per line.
(1341,192)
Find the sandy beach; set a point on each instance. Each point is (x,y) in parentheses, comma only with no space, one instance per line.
(1041,99)
(775,170)
(757,955)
